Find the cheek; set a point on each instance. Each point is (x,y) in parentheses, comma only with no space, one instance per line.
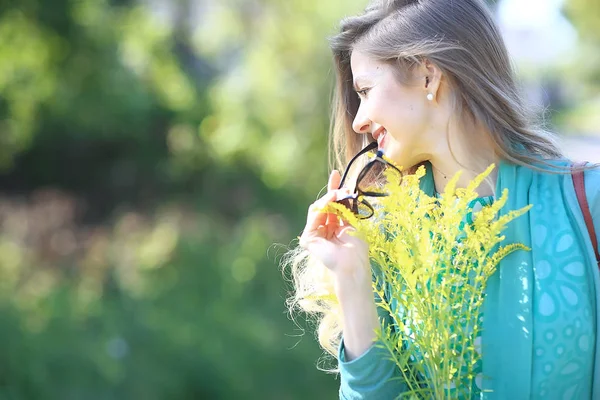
(401,104)
(400,110)
(405,119)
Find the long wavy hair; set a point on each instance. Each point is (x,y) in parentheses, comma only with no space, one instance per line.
(462,39)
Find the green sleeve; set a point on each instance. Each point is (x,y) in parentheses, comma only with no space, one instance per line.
(373,375)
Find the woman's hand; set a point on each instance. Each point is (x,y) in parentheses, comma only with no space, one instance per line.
(328,238)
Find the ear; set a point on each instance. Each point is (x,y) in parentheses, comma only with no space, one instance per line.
(431,78)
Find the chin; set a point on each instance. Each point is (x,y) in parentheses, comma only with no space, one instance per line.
(404,162)
(398,159)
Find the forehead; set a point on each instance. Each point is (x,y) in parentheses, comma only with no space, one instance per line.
(364,67)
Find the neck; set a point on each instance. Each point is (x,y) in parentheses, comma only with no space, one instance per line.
(469,152)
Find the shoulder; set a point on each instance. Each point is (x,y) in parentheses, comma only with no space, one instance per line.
(592,189)
(555,173)
(592,178)
(591,181)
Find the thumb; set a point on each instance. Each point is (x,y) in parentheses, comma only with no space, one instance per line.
(334,180)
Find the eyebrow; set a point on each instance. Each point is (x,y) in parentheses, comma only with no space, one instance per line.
(355,84)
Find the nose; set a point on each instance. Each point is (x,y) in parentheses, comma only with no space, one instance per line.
(361,123)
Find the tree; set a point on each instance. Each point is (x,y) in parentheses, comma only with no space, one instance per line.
(585,15)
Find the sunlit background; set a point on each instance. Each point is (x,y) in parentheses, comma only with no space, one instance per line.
(156,157)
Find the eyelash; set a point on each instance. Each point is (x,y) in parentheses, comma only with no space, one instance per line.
(362,93)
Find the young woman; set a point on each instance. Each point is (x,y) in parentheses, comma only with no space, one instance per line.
(431,82)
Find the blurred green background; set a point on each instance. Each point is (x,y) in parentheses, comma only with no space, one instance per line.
(156,159)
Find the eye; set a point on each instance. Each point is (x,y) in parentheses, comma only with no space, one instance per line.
(362,93)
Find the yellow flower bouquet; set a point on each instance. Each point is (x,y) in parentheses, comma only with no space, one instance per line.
(430,275)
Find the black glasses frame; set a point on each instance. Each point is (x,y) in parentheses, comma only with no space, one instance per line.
(353,201)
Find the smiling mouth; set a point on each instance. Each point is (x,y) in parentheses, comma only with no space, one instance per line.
(378,132)
(379,136)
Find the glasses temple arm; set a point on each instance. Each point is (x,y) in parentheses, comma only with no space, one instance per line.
(369,147)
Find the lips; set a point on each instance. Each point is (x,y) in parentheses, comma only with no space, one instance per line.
(379,136)
(378,132)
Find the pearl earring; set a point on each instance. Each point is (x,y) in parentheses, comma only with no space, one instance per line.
(430,96)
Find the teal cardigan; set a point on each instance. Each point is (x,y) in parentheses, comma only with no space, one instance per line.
(540,326)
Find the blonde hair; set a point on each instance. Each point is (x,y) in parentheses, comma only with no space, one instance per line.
(461,38)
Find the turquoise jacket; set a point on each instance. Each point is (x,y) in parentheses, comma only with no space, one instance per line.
(540,326)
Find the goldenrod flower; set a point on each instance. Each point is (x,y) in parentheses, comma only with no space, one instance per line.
(431,271)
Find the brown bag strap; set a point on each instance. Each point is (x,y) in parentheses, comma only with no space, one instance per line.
(579,183)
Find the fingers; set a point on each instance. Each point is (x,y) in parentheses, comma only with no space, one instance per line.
(344,233)
(333,221)
(317,218)
(318,223)
(334,180)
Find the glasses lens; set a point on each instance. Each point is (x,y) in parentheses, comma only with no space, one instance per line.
(364,209)
(372,180)
(349,203)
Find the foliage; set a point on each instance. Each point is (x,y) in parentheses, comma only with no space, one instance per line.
(278,89)
(170,305)
(149,161)
(586,15)
(582,77)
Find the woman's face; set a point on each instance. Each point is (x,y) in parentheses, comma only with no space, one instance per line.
(398,116)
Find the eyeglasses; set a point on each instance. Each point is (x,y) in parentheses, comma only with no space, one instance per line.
(355,202)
